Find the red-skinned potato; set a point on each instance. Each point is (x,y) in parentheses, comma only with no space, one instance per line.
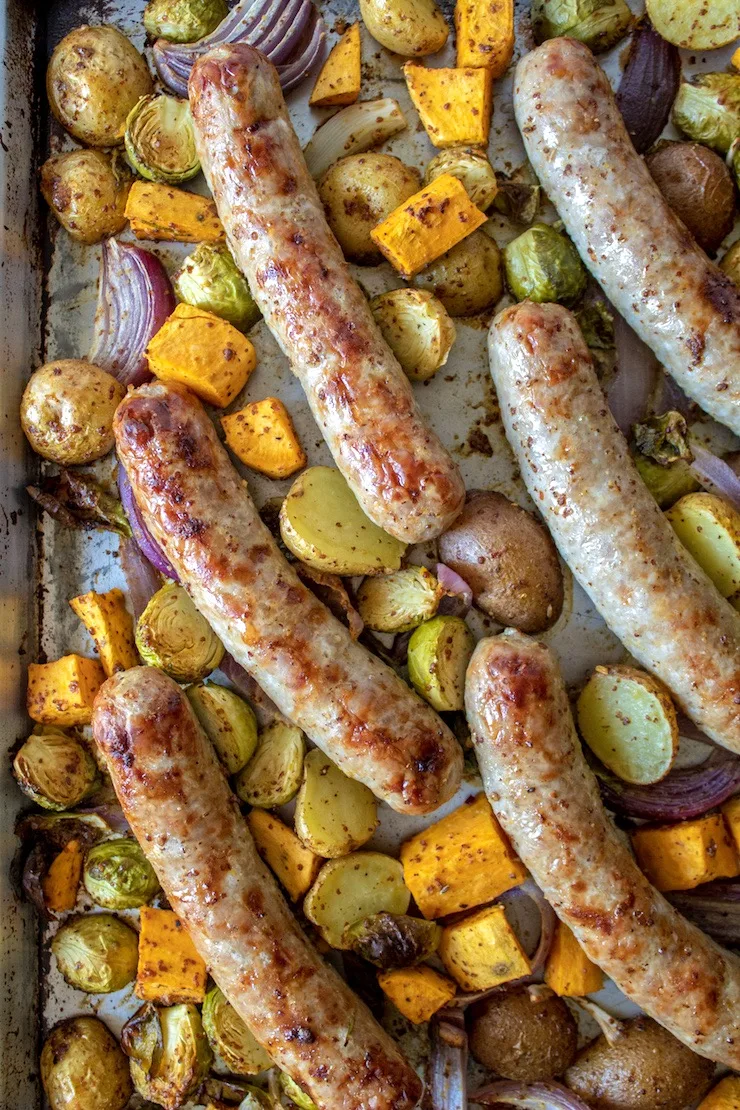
(698,186)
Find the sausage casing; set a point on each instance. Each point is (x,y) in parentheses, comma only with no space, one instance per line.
(174,794)
(608,528)
(649,265)
(268,203)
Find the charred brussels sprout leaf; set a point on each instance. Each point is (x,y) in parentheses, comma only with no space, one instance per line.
(160,139)
(518,195)
(707,109)
(597,326)
(298,1097)
(543,265)
(228,721)
(730,263)
(439,653)
(400,601)
(96,953)
(394,940)
(172,635)
(598,23)
(77,501)
(184,20)
(210,279)
(55,769)
(83,1068)
(231,1038)
(118,876)
(663,457)
(168,1051)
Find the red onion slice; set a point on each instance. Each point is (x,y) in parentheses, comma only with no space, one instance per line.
(530,1096)
(648,86)
(458,597)
(634,382)
(713,907)
(446,1076)
(682,794)
(307,57)
(134,299)
(147,544)
(142,580)
(716,473)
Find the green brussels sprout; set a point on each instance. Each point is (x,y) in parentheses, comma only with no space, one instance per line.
(730,261)
(438,657)
(83,1068)
(160,139)
(391,940)
(470,165)
(183,20)
(707,109)
(118,876)
(597,326)
(274,774)
(295,1094)
(231,1038)
(598,23)
(54,769)
(172,635)
(228,721)
(518,195)
(210,279)
(543,265)
(97,953)
(168,1052)
(663,456)
(399,601)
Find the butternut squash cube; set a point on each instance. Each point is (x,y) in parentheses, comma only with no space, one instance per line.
(262,436)
(736,62)
(418,992)
(485,34)
(340,78)
(427,224)
(111,626)
(62,693)
(170,970)
(455,105)
(203,352)
(483,950)
(164,212)
(568,970)
(461,861)
(731,813)
(685,855)
(62,880)
(726,1094)
(295,865)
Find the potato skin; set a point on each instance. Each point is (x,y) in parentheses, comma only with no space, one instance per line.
(412,28)
(468,278)
(67,411)
(524,1035)
(508,559)
(698,186)
(86,194)
(358,193)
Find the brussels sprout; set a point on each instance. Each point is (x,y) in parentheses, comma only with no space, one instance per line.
(160,139)
(394,940)
(183,20)
(469,165)
(519,194)
(663,456)
(597,326)
(598,23)
(168,1052)
(707,109)
(542,265)
(172,635)
(118,876)
(228,721)
(231,1038)
(295,1094)
(210,279)
(97,953)
(400,601)
(76,501)
(87,190)
(256,1099)
(54,769)
(417,328)
(730,262)
(275,772)
(439,653)
(82,1067)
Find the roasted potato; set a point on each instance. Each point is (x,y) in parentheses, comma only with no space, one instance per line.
(412,28)
(334,815)
(358,193)
(67,411)
(709,527)
(87,193)
(695,24)
(351,889)
(467,279)
(508,559)
(698,186)
(527,1034)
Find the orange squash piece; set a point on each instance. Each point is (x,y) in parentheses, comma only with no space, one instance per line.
(340,78)
(62,880)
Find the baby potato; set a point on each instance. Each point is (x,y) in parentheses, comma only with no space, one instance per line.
(334,814)
(527,1034)
(352,888)
(412,28)
(86,193)
(467,279)
(358,193)
(67,411)
(698,186)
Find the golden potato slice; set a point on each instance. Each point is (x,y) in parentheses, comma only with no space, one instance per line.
(709,527)
(352,888)
(696,24)
(334,814)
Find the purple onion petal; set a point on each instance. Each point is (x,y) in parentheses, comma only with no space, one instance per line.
(531,1096)
(454,585)
(446,1076)
(681,795)
(142,580)
(713,907)
(148,545)
(636,370)
(716,473)
(291,75)
(648,86)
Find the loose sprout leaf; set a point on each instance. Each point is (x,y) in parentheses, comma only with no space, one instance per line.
(76,500)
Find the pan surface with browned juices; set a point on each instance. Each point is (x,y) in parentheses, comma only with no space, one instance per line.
(363,403)
(577,467)
(547,800)
(348,702)
(649,265)
(175,796)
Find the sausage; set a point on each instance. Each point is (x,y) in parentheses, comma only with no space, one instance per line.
(648,264)
(268,203)
(547,800)
(350,704)
(608,528)
(174,794)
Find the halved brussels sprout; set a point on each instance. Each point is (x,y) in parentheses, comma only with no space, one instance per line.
(707,109)
(231,1038)
(160,139)
(172,635)
(256,1099)
(54,769)
(470,165)
(210,279)
(295,1094)
(417,328)
(228,721)
(400,601)
(598,23)
(118,876)
(183,20)
(662,456)
(519,194)
(97,953)
(168,1052)
(83,1068)
(274,774)
(439,653)
(391,940)
(542,265)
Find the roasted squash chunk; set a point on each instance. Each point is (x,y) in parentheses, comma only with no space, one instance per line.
(263,437)
(340,77)
(111,626)
(483,950)
(568,970)
(485,34)
(455,105)
(170,970)
(418,992)
(61,881)
(684,855)
(164,212)
(295,865)
(62,693)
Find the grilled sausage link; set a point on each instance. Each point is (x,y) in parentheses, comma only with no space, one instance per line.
(608,528)
(361,399)
(350,704)
(547,800)
(176,799)
(641,254)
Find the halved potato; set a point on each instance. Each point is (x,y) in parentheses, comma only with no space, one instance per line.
(696,24)
(322,523)
(629,722)
(709,528)
(273,775)
(334,814)
(352,888)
